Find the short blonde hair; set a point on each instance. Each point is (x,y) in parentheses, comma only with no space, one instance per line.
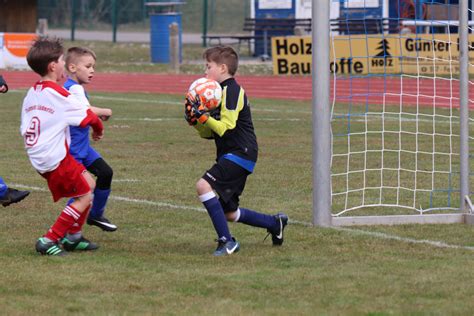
(74,53)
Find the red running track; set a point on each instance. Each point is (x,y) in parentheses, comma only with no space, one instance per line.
(406,90)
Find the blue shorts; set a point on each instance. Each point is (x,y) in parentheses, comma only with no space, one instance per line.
(92,155)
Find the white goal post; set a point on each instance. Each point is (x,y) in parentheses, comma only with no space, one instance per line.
(391,142)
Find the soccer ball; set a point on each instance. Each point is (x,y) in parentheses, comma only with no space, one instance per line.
(209,92)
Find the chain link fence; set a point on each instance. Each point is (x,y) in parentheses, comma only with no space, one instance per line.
(223,16)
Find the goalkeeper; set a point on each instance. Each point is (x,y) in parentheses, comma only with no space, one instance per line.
(231,127)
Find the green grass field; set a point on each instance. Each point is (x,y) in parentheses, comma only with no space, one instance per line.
(160,260)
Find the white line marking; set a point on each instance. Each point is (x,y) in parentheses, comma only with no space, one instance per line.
(126,180)
(256,109)
(168,119)
(433,243)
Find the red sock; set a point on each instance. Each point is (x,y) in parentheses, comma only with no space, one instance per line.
(77,227)
(66,219)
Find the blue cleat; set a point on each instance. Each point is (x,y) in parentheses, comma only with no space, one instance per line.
(225,247)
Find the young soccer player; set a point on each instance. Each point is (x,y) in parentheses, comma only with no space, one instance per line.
(9,195)
(48,111)
(80,63)
(231,127)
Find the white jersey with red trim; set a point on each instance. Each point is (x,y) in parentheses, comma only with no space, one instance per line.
(48,110)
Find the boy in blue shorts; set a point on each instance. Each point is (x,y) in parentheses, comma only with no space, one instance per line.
(9,195)
(80,63)
(231,127)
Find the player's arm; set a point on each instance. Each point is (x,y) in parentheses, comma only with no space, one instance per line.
(103,113)
(204,131)
(229,116)
(76,114)
(3,85)
(93,121)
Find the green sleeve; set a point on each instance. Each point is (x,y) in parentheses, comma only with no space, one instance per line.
(204,131)
(228,118)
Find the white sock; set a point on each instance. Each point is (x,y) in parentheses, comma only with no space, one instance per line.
(237,215)
(207,196)
(74,237)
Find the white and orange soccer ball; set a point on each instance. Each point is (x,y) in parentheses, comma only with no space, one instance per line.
(209,92)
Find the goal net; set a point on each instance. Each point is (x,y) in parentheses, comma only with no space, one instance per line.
(395,110)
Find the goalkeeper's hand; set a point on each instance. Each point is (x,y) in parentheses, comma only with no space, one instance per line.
(196,109)
(188,115)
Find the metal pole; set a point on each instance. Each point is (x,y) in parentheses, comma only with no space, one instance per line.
(204,23)
(463,103)
(419,14)
(73,19)
(321,115)
(174,46)
(114,21)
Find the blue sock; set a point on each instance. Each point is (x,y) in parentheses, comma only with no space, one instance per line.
(216,213)
(99,203)
(256,219)
(3,188)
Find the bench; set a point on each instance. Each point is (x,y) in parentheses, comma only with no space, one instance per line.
(233,38)
(262,29)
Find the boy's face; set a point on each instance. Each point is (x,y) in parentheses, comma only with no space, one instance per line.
(215,71)
(83,69)
(58,68)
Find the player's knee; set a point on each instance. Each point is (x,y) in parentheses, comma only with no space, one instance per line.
(104,174)
(92,185)
(202,186)
(231,216)
(81,203)
(104,180)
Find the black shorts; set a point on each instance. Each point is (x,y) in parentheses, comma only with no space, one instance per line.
(228,180)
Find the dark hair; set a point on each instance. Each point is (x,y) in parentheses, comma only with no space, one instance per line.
(44,51)
(223,55)
(74,53)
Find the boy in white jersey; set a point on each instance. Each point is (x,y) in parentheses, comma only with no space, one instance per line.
(80,63)
(48,111)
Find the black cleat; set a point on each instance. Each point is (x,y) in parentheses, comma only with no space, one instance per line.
(49,248)
(13,196)
(277,233)
(103,223)
(80,244)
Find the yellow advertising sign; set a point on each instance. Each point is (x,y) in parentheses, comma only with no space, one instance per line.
(378,53)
